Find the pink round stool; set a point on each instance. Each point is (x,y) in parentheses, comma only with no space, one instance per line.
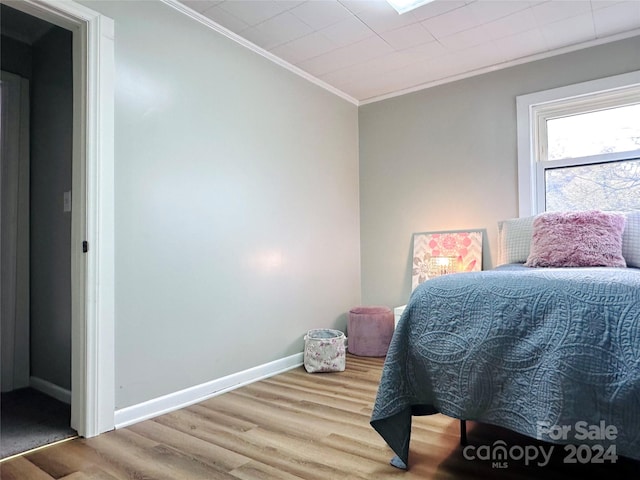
(369,331)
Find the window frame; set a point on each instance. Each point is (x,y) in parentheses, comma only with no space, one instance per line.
(533,111)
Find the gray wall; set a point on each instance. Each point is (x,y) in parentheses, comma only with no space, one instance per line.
(50,227)
(446,158)
(15,56)
(236,216)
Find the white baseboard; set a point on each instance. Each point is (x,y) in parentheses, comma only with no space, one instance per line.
(198,393)
(50,389)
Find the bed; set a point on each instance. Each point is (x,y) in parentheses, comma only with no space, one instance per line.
(532,349)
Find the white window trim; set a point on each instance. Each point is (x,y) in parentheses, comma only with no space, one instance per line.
(532,111)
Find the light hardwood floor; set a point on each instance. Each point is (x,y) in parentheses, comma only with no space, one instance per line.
(292,426)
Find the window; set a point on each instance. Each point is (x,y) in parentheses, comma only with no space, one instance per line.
(579,147)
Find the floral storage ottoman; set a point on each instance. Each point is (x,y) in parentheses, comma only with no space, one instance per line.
(324,350)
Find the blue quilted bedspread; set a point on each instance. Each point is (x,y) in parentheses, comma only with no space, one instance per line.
(522,348)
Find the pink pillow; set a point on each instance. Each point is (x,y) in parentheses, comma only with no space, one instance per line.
(577,239)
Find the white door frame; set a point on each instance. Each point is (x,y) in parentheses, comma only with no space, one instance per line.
(92,220)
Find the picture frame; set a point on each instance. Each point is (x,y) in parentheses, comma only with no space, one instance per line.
(443,252)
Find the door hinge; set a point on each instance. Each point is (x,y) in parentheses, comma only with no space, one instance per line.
(85,246)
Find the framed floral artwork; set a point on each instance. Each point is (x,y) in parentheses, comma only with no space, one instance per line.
(439,253)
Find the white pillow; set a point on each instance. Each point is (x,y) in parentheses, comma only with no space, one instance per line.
(514,239)
(631,239)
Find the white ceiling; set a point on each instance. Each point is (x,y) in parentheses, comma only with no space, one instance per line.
(365,51)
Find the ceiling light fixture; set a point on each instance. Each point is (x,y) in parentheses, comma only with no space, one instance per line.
(403,6)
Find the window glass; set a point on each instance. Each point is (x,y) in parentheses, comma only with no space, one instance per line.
(579,146)
(604,186)
(593,133)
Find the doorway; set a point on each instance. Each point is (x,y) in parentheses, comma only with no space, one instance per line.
(37,139)
(92,219)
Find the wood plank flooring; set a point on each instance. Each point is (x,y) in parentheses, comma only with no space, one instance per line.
(295,425)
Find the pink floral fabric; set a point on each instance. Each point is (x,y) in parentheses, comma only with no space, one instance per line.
(324,350)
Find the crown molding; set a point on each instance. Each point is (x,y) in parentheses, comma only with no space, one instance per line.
(501,66)
(422,86)
(256,49)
